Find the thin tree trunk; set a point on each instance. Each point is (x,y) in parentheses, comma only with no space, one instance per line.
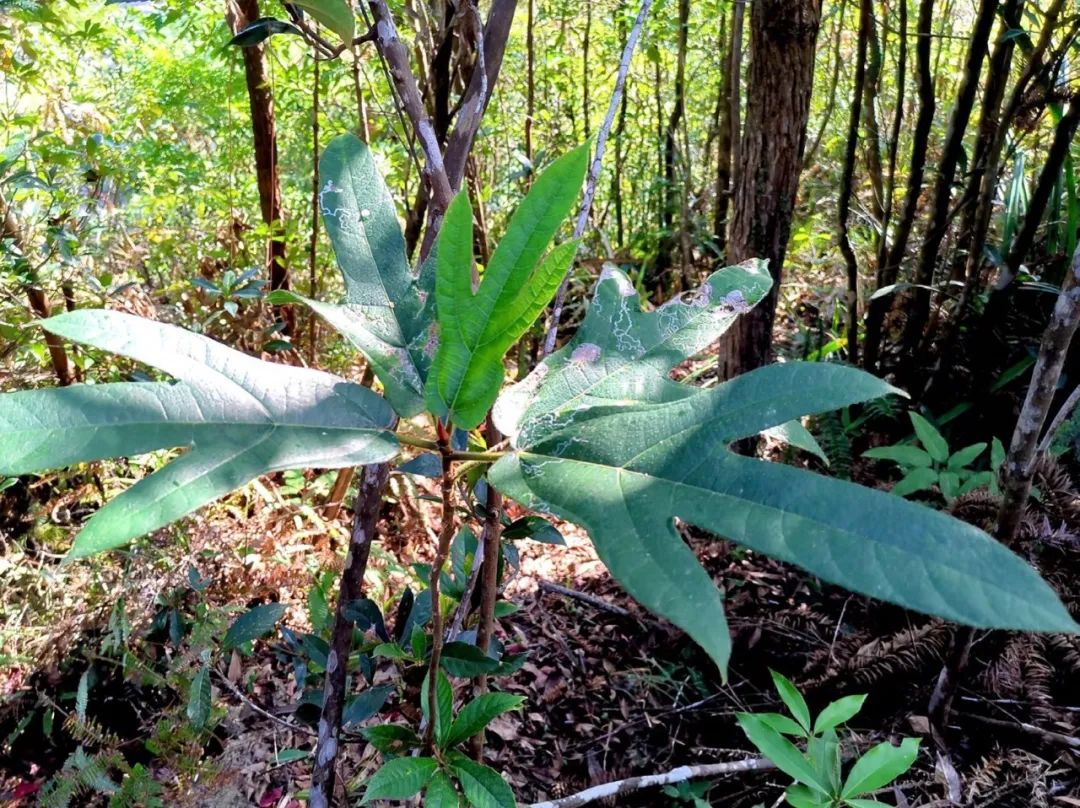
(871,128)
(918,309)
(1020,462)
(586,69)
(367,507)
(620,154)
(738,23)
(1037,204)
(242,13)
(924,121)
(724,143)
(834,82)
(39,302)
(670,204)
(847,179)
(894,143)
(530,91)
(780,81)
(313,244)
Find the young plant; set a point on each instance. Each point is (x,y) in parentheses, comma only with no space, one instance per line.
(599,434)
(817,770)
(933,464)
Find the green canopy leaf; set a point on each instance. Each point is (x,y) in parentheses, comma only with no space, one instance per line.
(238,416)
(476,330)
(388,313)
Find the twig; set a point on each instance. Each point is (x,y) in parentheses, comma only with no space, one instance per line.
(679,775)
(1049,736)
(592,600)
(597,164)
(289,725)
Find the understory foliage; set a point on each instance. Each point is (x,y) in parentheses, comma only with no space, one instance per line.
(834,184)
(599,435)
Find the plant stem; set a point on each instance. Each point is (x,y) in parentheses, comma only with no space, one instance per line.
(434,446)
(446,535)
(366,516)
(489,583)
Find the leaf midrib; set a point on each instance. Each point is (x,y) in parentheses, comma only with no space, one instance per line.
(620,470)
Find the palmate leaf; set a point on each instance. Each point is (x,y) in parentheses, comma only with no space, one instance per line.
(238,416)
(476,330)
(388,314)
(592,450)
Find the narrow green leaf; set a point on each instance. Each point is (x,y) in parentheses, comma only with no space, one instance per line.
(793,699)
(799,796)
(391,739)
(476,330)
(949,483)
(780,751)
(253,624)
(930,438)
(793,433)
(915,480)
(838,712)
(782,724)
(337,15)
(867,804)
(823,752)
(483,786)
(364,705)
(966,456)
(464,660)
(441,793)
(444,706)
(904,455)
(478,713)
(399,779)
(198,706)
(387,314)
(880,766)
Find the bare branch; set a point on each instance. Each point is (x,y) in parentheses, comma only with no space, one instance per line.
(679,775)
(597,165)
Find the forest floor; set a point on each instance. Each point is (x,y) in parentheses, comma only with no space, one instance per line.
(611,692)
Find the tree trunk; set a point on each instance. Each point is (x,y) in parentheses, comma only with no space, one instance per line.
(724,143)
(894,143)
(890,269)
(780,80)
(242,13)
(670,205)
(39,302)
(858,93)
(834,82)
(918,309)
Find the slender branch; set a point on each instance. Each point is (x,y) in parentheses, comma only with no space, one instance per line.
(397,59)
(255,707)
(597,164)
(367,507)
(680,775)
(584,597)
(1019,465)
